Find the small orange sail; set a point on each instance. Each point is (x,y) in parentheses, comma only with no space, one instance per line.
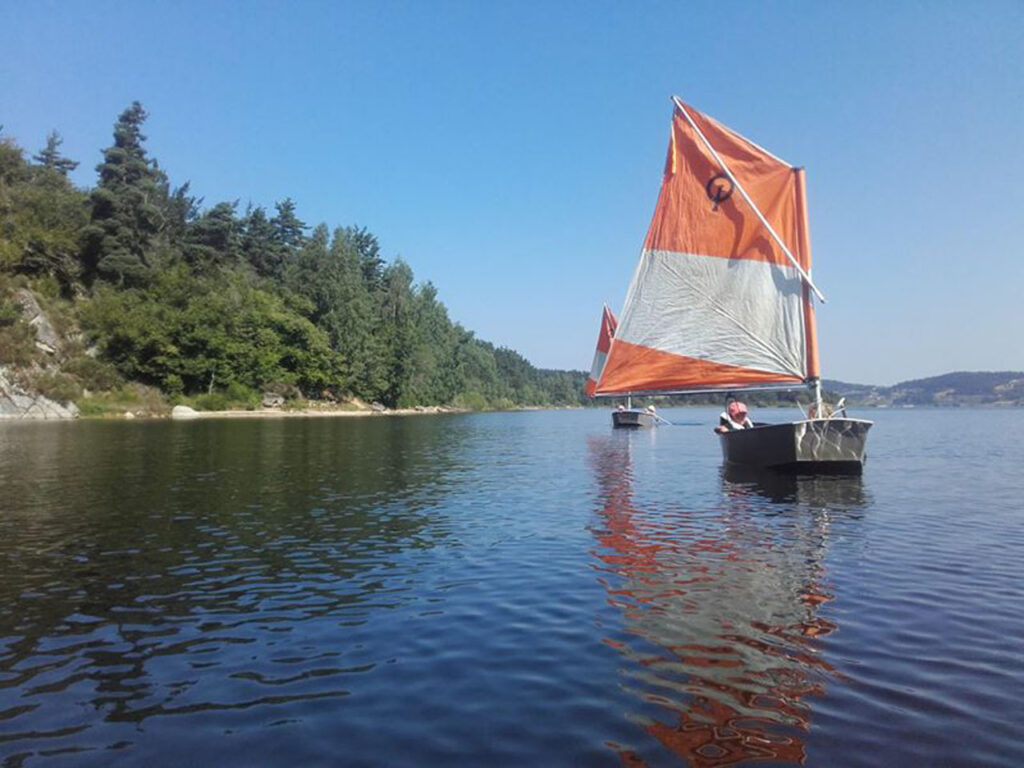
(604,343)
(716,302)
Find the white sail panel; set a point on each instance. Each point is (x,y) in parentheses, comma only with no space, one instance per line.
(742,313)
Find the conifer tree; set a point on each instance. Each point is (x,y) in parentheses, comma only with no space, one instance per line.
(126,206)
(50,156)
(368,250)
(287,226)
(214,238)
(259,245)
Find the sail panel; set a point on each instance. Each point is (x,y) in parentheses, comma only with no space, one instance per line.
(604,343)
(714,300)
(745,314)
(636,368)
(737,342)
(700,211)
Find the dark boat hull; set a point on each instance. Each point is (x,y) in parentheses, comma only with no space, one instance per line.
(814,446)
(633,419)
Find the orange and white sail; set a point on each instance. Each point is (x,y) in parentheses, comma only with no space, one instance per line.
(716,302)
(604,343)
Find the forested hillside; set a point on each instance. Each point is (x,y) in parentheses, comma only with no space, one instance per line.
(150,285)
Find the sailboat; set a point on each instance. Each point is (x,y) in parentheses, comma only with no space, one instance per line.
(623,416)
(722,298)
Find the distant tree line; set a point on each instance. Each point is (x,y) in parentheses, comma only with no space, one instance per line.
(191,298)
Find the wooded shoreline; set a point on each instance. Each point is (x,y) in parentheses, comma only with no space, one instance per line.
(134,293)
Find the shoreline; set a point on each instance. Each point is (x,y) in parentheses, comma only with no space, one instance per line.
(272,413)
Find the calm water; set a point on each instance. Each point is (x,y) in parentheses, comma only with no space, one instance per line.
(507,589)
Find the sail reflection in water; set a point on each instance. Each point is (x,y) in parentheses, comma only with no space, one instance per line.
(720,637)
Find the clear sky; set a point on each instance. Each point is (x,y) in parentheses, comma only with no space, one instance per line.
(511,152)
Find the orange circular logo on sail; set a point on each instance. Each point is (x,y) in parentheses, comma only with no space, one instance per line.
(719,189)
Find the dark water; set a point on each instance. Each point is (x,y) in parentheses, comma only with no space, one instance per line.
(507,589)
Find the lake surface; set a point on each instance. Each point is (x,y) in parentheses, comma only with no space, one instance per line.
(507,589)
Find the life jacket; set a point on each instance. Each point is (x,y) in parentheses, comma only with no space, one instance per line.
(725,420)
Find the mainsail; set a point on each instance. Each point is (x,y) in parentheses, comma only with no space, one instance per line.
(604,343)
(716,302)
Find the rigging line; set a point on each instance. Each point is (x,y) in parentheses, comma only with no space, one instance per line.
(750,202)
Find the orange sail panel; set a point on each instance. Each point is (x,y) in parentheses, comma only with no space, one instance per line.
(604,343)
(715,303)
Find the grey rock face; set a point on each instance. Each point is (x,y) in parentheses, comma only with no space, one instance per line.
(46,337)
(17,403)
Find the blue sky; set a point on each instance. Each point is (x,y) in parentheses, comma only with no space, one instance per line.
(511,151)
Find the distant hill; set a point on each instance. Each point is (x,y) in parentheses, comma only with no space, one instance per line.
(960,388)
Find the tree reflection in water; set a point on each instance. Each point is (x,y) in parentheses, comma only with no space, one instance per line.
(720,633)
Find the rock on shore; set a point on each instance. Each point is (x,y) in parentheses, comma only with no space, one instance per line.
(183,413)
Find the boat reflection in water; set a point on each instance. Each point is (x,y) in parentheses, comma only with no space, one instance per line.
(818,493)
(719,634)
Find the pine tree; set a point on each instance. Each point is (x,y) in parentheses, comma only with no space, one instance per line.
(368,249)
(126,206)
(50,157)
(259,244)
(287,226)
(214,238)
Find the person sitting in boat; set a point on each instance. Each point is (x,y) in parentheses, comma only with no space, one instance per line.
(734,417)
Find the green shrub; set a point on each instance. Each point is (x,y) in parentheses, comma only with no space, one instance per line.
(241,396)
(17,339)
(472,401)
(214,401)
(138,398)
(46,286)
(93,374)
(9,314)
(59,387)
(91,406)
(234,396)
(172,384)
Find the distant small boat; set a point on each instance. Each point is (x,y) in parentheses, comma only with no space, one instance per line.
(720,303)
(627,417)
(634,418)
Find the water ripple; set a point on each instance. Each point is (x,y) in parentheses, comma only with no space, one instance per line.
(509,589)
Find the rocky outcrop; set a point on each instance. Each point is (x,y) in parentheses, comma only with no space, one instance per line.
(18,398)
(47,339)
(18,403)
